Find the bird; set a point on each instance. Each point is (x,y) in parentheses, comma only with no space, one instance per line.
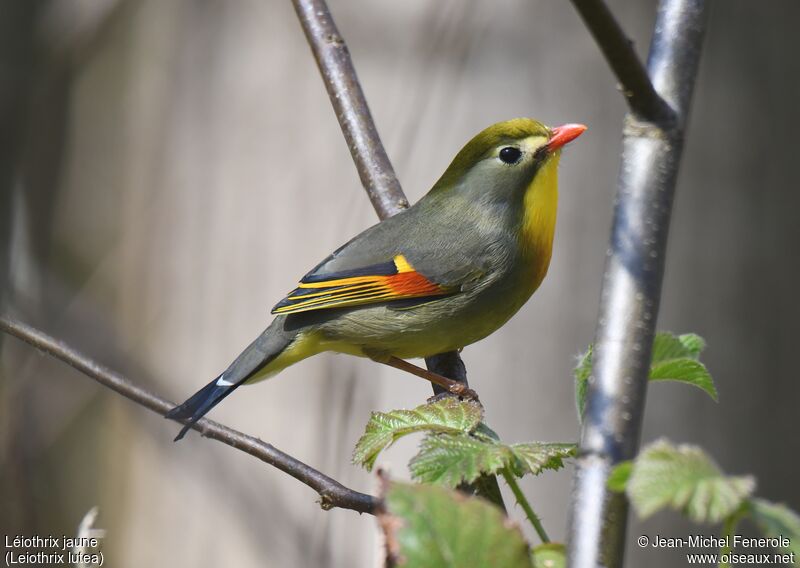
(436,277)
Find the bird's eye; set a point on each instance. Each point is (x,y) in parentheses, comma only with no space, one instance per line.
(510,155)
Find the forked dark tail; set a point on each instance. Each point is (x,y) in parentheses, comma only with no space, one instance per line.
(258,355)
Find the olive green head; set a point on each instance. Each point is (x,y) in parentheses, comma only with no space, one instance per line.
(504,158)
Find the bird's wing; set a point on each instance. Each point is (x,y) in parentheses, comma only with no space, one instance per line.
(399,261)
(390,281)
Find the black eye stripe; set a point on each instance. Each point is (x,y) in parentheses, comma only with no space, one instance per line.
(510,155)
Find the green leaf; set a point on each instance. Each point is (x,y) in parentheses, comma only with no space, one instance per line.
(693,343)
(668,346)
(618,480)
(684,478)
(686,371)
(453,459)
(776,520)
(582,372)
(674,358)
(444,415)
(550,555)
(433,527)
(539,456)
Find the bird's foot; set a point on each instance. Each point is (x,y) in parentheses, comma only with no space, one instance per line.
(462,391)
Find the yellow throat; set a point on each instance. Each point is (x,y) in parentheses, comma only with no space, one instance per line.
(539,218)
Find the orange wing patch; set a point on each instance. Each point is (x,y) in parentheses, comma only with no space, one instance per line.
(387,282)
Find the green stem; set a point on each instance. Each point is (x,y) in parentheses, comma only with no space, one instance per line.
(526,506)
(728,528)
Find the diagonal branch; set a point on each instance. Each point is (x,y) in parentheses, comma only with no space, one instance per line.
(617,48)
(347,97)
(332,493)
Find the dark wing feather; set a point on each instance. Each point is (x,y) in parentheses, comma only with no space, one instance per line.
(379,283)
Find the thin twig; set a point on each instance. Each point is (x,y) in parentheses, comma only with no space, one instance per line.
(526,506)
(618,50)
(332,493)
(629,301)
(339,75)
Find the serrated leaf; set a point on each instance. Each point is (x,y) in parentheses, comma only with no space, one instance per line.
(451,460)
(550,555)
(686,479)
(433,527)
(539,456)
(620,474)
(674,358)
(686,371)
(444,415)
(776,520)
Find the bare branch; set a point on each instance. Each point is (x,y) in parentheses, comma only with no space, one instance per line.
(333,59)
(630,297)
(332,493)
(617,48)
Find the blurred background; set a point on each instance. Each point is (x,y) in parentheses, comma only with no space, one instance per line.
(169,169)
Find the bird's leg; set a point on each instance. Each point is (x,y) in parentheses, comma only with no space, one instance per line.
(453,387)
